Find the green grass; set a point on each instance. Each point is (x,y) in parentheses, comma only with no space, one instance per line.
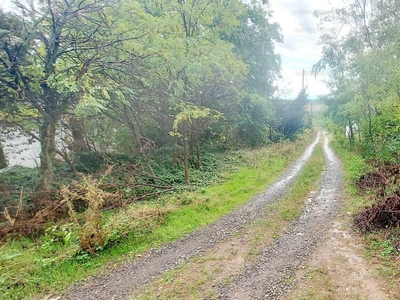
(354,166)
(23,275)
(293,204)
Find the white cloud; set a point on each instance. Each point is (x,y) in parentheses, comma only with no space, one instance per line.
(5,4)
(300,49)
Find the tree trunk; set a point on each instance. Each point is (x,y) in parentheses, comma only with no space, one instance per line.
(270,133)
(351,134)
(48,151)
(77,126)
(371,136)
(3,160)
(137,141)
(198,153)
(186,159)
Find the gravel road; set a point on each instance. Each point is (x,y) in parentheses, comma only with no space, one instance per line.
(267,278)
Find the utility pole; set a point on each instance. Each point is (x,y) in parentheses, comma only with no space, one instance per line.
(302,87)
(302,81)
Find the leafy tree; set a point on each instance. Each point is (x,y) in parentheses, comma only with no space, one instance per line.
(192,121)
(254,116)
(291,115)
(52,58)
(191,70)
(364,74)
(195,64)
(254,37)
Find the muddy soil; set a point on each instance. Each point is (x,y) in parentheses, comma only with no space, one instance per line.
(230,259)
(338,270)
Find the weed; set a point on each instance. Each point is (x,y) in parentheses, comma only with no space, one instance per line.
(228,280)
(92,236)
(255,252)
(211,294)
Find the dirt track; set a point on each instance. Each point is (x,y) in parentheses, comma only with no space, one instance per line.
(268,275)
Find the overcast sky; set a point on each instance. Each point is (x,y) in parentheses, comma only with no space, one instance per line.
(4,3)
(300,49)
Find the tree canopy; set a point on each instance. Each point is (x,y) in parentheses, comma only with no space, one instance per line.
(136,76)
(362,53)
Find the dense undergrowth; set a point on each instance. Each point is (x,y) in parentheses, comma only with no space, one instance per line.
(74,248)
(117,179)
(95,164)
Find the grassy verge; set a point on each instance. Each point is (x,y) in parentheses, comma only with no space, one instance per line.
(354,166)
(197,279)
(379,245)
(48,264)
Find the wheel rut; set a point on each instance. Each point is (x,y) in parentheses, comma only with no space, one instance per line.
(121,282)
(271,276)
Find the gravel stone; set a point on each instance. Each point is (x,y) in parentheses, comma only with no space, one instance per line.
(265,279)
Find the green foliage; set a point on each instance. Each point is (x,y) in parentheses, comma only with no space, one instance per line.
(19,176)
(59,236)
(254,120)
(385,247)
(185,120)
(254,39)
(13,182)
(364,77)
(90,162)
(212,163)
(291,115)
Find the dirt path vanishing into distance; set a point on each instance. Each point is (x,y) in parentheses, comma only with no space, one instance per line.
(233,258)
